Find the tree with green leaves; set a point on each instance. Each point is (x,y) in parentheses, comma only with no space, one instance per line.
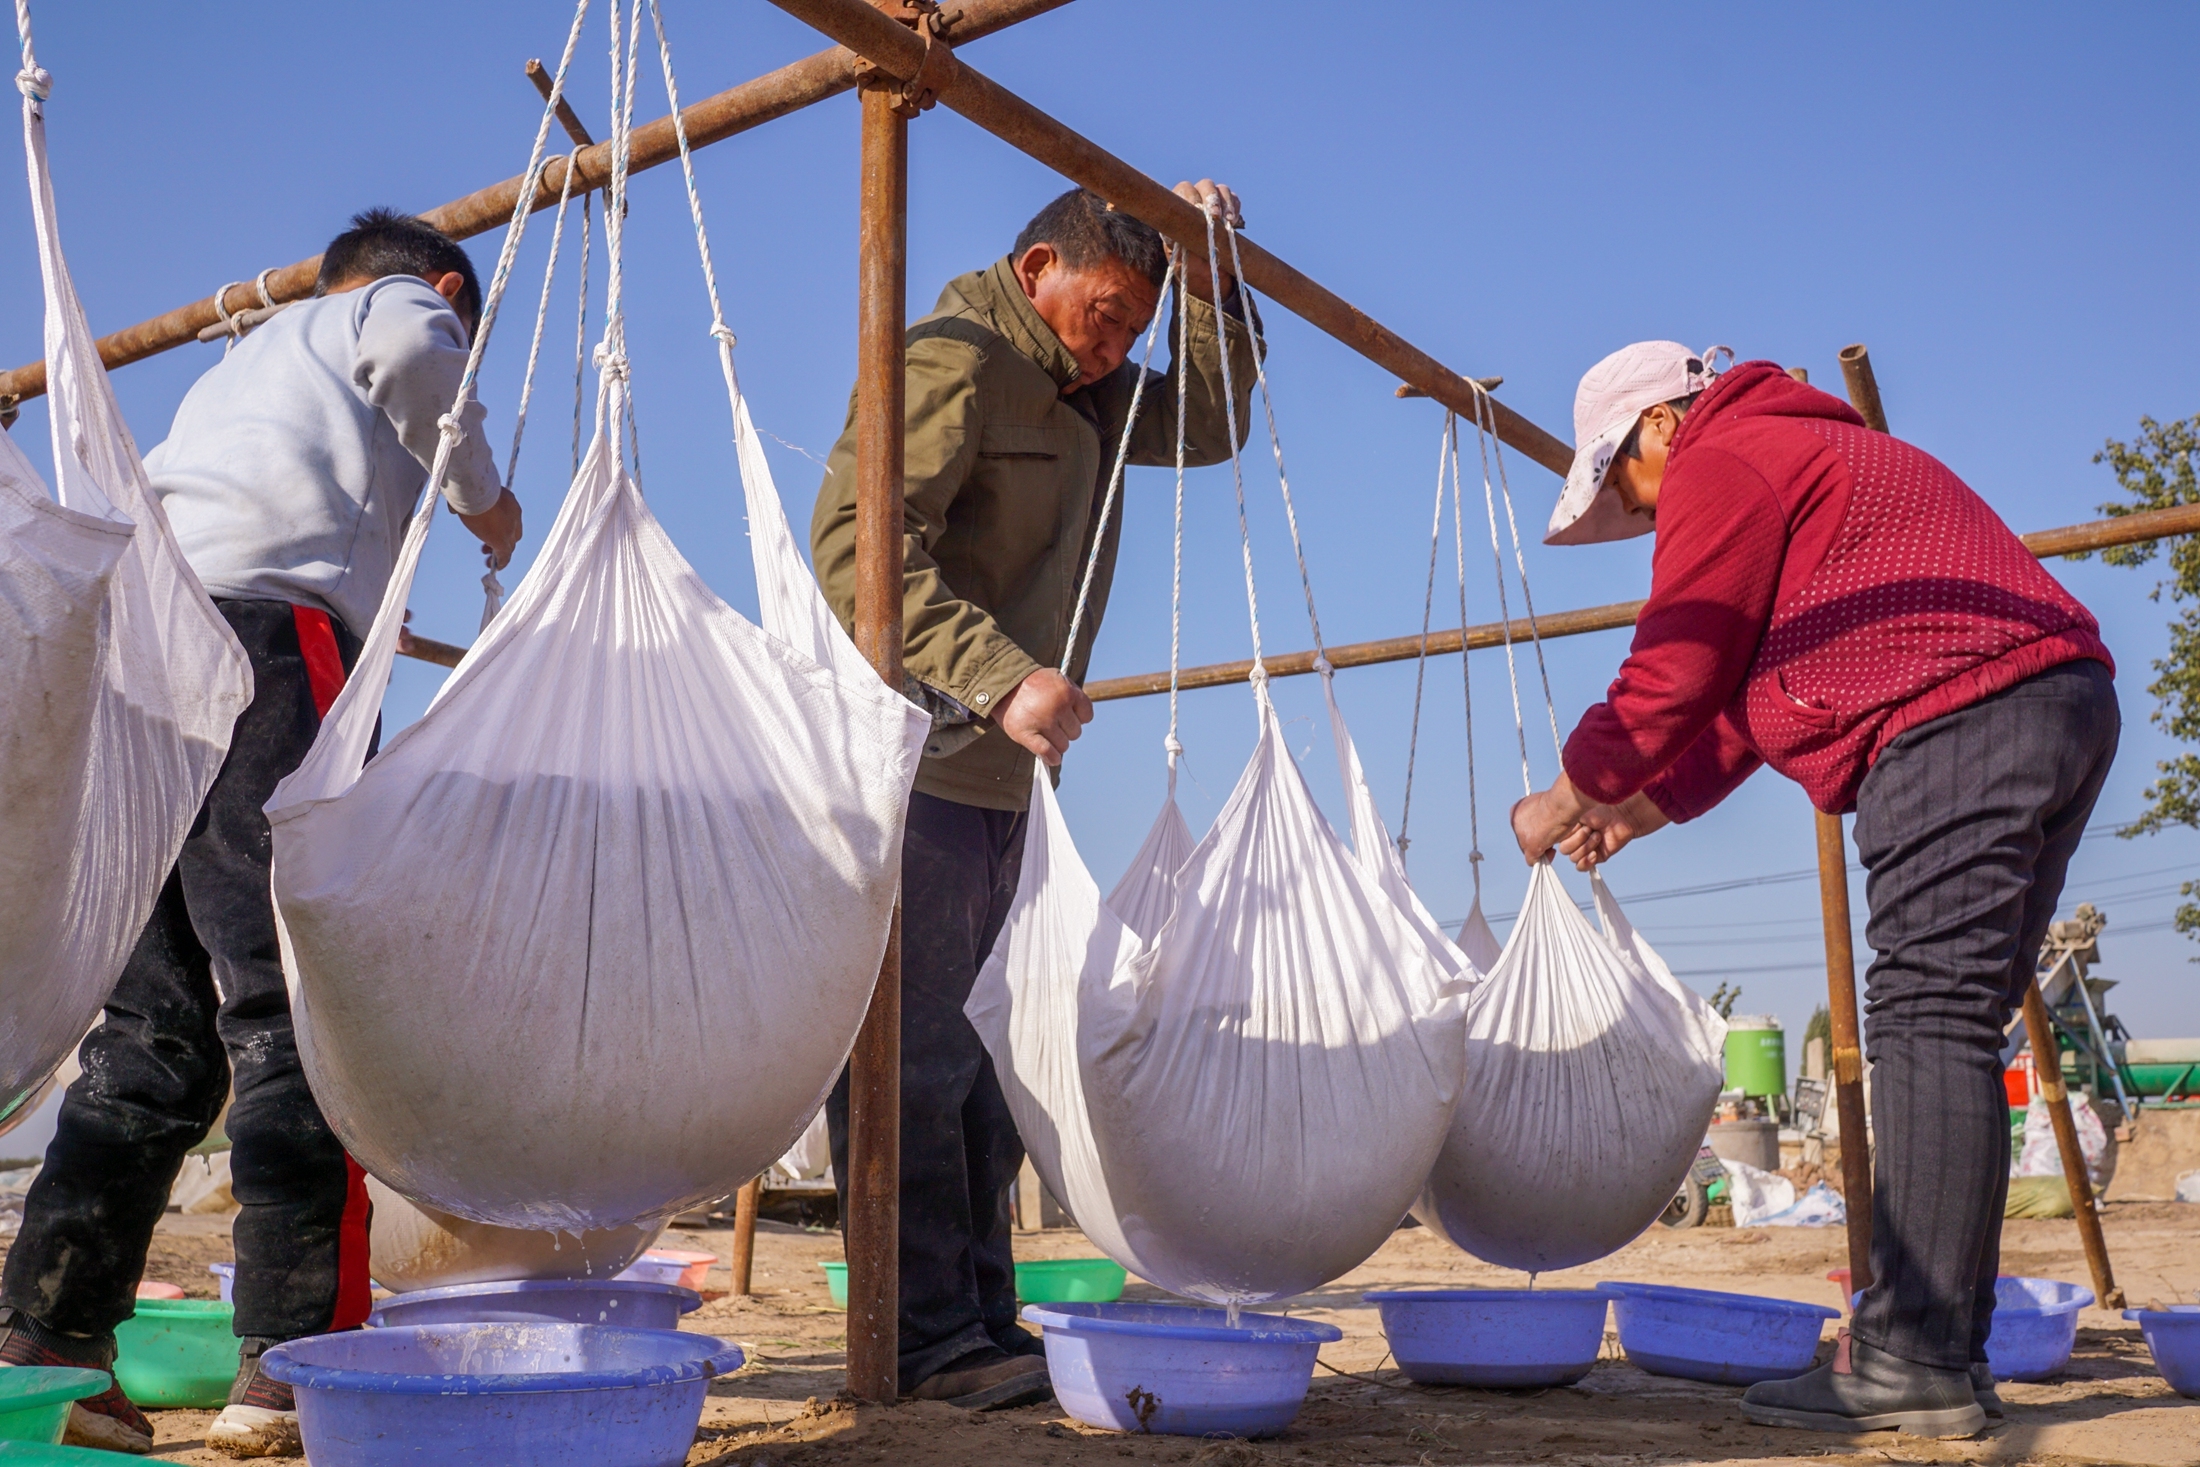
(2160,469)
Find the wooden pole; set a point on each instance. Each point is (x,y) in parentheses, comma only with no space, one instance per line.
(2131,529)
(873,1226)
(1022,126)
(745,1204)
(1863,385)
(2047,1074)
(1848,1047)
(714,119)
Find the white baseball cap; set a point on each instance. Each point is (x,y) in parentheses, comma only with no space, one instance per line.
(1613,394)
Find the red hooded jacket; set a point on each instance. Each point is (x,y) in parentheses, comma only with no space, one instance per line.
(1817,588)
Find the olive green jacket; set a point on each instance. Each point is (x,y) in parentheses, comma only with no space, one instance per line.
(1004,480)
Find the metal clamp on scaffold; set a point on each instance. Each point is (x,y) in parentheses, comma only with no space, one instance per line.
(934,72)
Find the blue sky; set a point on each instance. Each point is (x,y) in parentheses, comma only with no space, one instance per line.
(1997,200)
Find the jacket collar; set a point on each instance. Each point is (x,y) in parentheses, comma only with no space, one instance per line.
(996,291)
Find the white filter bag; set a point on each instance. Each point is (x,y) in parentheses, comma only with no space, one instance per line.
(589,942)
(411,1247)
(1591,1076)
(1242,1106)
(119,684)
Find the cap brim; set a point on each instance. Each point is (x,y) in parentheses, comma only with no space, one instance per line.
(1588,510)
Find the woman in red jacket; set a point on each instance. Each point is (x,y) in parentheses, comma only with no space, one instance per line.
(1835,603)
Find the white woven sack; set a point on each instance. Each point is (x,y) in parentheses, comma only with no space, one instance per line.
(1591,1077)
(1241,1106)
(411,1247)
(119,684)
(589,942)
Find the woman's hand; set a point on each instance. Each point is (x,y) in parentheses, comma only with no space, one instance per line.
(1602,831)
(1541,821)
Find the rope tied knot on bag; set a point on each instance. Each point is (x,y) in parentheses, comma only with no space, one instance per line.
(34,82)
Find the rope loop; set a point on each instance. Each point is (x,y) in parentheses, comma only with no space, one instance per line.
(259,283)
(449,426)
(1324,666)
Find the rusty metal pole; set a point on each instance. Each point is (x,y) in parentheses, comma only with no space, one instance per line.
(873,1225)
(2047,1074)
(745,1203)
(714,119)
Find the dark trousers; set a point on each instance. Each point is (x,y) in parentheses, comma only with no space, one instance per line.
(959,1147)
(1966,826)
(201,1004)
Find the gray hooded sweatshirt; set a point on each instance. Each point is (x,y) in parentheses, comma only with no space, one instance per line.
(292,466)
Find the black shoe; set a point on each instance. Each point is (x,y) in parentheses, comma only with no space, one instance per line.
(1017,1340)
(988,1380)
(1866,1389)
(1982,1387)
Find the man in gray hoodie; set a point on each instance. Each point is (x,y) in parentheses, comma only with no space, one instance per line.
(288,477)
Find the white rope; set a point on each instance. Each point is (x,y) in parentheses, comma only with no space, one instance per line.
(613,351)
(1259,678)
(33,81)
(1171,744)
(1420,666)
(1504,609)
(542,317)
(580,334)
(1486,437)
(1466,680)
(1115,475)
(1275,443)
(450,426)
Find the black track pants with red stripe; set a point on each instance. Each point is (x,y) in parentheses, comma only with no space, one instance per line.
(201,1007)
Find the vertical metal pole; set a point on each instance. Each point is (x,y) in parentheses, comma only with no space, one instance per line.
(744,1235)
(2047,1074)
(874,1091)
(1847,1046)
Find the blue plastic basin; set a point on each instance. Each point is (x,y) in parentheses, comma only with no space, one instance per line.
(630,1303)
(2035,1324)
(1174,1370)
(1700,1334)
(500,1395)
(1493,1337)
(2173,1334)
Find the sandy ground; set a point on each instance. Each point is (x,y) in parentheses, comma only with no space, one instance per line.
(2108,1406)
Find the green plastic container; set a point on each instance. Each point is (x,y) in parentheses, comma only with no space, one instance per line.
(178,1352)
(35,1399)
(28,1453)
(1756,1055)
(1070,1281)
(836,1280)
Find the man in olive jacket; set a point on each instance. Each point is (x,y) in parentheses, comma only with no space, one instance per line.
(1019,387)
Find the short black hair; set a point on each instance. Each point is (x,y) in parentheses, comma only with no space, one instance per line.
(384,242)
(1084,228)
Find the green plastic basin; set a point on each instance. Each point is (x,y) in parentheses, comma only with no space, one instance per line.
(178,1352)
(836,1280)
(1070,1281)
(28,1453)
(35,1399)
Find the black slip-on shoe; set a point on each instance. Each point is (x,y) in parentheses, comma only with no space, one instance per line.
(1865,1389)
(989,1380)
(1982,1387)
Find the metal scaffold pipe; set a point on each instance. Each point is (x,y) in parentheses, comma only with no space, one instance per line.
(1016,122)
(713,119)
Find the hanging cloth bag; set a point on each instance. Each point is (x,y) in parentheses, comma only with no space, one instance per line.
(119,682)
(1591,1071)
(589,942)
(1237,1068)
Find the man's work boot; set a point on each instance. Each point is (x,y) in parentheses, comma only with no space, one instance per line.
(989,1380)
(261,1419)
(107,1421)
(1982,1386)
(1866,1389)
